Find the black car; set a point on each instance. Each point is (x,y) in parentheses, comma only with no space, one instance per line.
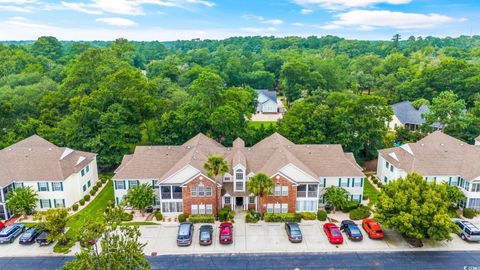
(185,234)
(293,232)
(206,235)
(42,239)
(352,230)
(29,236)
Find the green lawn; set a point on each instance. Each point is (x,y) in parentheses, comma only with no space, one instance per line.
(93,211)
(370,191)
(257,124)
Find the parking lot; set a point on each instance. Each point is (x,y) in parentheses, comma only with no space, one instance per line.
(271,237)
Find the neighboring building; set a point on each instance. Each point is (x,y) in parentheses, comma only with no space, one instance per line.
(438,157)
(405,115)
(300,173)
(60,176)
(267,101)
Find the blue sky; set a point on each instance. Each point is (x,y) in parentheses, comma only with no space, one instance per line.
(217,19)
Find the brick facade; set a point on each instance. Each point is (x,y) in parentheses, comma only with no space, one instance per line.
(188,200)
(291,199)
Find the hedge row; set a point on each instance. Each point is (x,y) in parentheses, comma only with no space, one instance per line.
(308,215)
(202,219)
(252,217)
(360,213)
(284,217)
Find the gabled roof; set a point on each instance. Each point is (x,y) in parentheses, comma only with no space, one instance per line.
(268,156)
(407,114)
(436,154)
(269,95)
(35,158)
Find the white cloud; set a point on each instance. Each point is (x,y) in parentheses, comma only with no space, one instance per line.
(297,24)
(273,22)
(18,2)
(22,9)
(22,22)
(116,21)
(371,19)
(128,7)
(347,4)
(306,11)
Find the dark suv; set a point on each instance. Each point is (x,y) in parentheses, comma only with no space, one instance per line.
(9,233)
(185,234)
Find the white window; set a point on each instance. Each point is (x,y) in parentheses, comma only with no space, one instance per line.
(87,169)
(59,203)
(343,182)
(391,168)
(387,164)
(239,175)
(278,190)
(270,208)
(306,205)
(208,209)
(45,203)
(194,191)
(17,185)
(227,178)
(194,209)
(357,182)
(251,199)
(172,207)
(475,187)
(42,186)
(208,191)
(201,190)
(284,207)
(83,172)
(132,183)
(201,209)
(277,208)
(227,199)
(119,184)
(453,181)
(356,198)
(284,190)
(57,186)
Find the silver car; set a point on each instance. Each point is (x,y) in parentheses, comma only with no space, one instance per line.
(468,231)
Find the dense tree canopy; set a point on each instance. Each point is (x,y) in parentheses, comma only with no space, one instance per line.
(108,97)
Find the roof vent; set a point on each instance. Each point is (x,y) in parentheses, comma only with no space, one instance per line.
(80,159)
(308,146)
(29,149)
(149,147)
(422,144)
(169,147)
(461,144)
(67,152)
(442,144)
(50,149)
(188,146)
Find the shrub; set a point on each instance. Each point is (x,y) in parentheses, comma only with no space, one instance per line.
(365,197)
(231,215)
(182,218)
(86,198)
(252,217)
(99,184)
(349,206)
(469,213)
(322,215)
(308,215)
(92,192)
(82,202)
(75,207)
(360,213)
(104,180)
(158,216)
(202,219)
(223,214)
(284,217)
(95,188)
(127,216)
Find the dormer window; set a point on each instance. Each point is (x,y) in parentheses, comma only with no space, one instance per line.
(239,174)
(239,180)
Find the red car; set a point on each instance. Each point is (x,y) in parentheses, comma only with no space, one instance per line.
(372,228)
(333,233)
(226,233)
(2,225)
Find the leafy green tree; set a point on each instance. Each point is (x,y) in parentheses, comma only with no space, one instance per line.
(419,102)
(260,185)
(226,123)
(448,110)
(118,247)
(55,222)
(22,200)
(415,208)
(455,195)
(337,196)
(139,197)
(215,166)
(48,46)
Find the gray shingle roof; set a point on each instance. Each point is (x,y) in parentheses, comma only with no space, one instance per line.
(407,114)
(271,95)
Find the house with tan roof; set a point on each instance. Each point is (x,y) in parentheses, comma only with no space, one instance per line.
(300,173)
(438,158)
(61,176)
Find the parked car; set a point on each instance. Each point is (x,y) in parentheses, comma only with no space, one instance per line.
(328,206)
(468,231)
(42,239)
(373,228)
(9,233)
(29,236)
(333,233)
(293,232)
(351,229)
(206,235)
(2,225)
(226,233)
(185,234)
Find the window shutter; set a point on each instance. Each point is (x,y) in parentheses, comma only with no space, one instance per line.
(360,196)
(49,203)
(128,184)
(450,181)
(48,189)
(63,201)
(38,185)
(153,183)
(339,182)
(61,186)
(41,203)
(353,182)
(115,184)
(348,182)
(361,182)
(138,182)
(124,184)
(55,203)
(324,182)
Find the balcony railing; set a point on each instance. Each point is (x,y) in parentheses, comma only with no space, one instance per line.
(305,194)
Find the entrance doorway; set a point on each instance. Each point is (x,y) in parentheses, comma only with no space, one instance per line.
(238,201)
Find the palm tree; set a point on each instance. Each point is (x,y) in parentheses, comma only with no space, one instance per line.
(337,196)
(22,200)
(215,166)
(260,185)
